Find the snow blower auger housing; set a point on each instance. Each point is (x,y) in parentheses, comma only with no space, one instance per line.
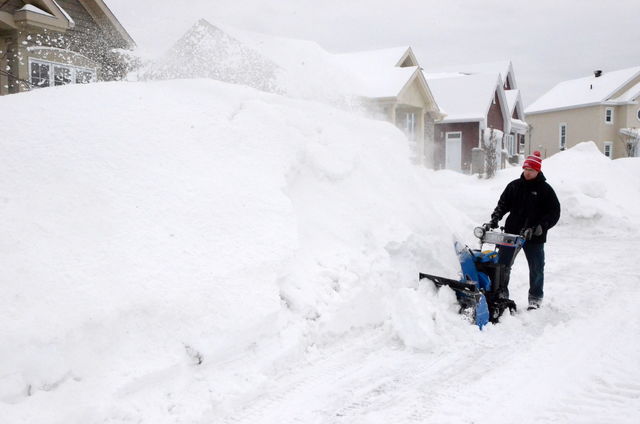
(481,290)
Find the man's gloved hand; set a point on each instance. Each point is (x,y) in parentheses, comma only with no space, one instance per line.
(489,225)
(527,233)
(538,230)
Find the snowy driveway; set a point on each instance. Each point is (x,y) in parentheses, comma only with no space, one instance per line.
(575,360)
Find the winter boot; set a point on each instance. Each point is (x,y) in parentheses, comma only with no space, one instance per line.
(534,304)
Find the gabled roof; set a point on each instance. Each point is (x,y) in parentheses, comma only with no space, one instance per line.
(384,73)
(377,59)
(503,67)
(588,91)
(629,95)
(514,101)
(468,98)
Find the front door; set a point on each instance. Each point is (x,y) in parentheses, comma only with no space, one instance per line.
(453,154)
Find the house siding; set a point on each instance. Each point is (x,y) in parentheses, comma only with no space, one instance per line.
(631,114)
(495,119)
(583,124)
(470,139)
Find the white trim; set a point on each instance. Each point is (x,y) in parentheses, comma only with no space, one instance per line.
(72,68)
(560,125)
(610,121)
(608,144)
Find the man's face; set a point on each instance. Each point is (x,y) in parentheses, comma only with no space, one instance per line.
(530,174)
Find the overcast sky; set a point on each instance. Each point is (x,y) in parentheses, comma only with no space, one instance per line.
(548,41)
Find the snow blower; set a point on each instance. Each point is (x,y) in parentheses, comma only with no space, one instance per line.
(481,290)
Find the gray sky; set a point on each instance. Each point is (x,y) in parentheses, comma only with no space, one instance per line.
(548,41)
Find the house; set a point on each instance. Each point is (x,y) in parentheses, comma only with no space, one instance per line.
(55,42)
(392,85)
(207,51)
(514,141)
(603,108)
(476,107)
(468,110)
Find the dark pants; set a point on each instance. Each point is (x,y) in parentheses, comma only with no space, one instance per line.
(534,253)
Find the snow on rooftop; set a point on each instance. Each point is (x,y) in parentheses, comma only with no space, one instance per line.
(512,99)
(502,67)
(389,82)
(72,23)
(382,58)
(34,9)
(464,98)
(583,91)
(629,95)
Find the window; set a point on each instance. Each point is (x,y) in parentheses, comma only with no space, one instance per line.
(511,144)
(410,125)
(84,77)
(563,136)
(46,74)
(521,143)
(608,149)
(61,75)
(40,74)
(608,115)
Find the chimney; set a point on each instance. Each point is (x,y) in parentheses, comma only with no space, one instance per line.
(597,73)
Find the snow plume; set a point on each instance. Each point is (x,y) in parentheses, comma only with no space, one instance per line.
(206,51)
(296,68)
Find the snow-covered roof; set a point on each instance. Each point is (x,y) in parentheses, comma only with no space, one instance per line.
(629,95)
(503,67)
(68,17)
(378,72)
(34,9)
(386,82)
(382,58)
(512,99)
(586,91)
(465,98)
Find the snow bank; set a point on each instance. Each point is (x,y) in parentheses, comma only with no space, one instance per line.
(174,225)
(166,248)
(597,193)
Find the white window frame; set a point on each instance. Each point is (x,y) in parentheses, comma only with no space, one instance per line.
(522,144)
(608,119)
(608,145)
(53,65)
(410,125)
(562,139)
(511,144)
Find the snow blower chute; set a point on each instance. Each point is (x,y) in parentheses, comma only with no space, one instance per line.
(481,289)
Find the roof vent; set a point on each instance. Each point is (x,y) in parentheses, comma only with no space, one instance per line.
(597,73)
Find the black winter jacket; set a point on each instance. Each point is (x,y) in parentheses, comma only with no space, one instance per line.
(529,203)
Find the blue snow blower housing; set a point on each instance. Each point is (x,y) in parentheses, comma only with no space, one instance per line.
(481,290)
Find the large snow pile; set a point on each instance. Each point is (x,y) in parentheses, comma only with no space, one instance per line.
(180,219)
(170,250)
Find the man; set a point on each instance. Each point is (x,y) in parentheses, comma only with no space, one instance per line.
(533,209)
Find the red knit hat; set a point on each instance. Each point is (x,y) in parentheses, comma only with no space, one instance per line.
(533,161)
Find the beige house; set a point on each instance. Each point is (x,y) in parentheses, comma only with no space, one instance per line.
(602,108)
(392,84)
(56,42)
